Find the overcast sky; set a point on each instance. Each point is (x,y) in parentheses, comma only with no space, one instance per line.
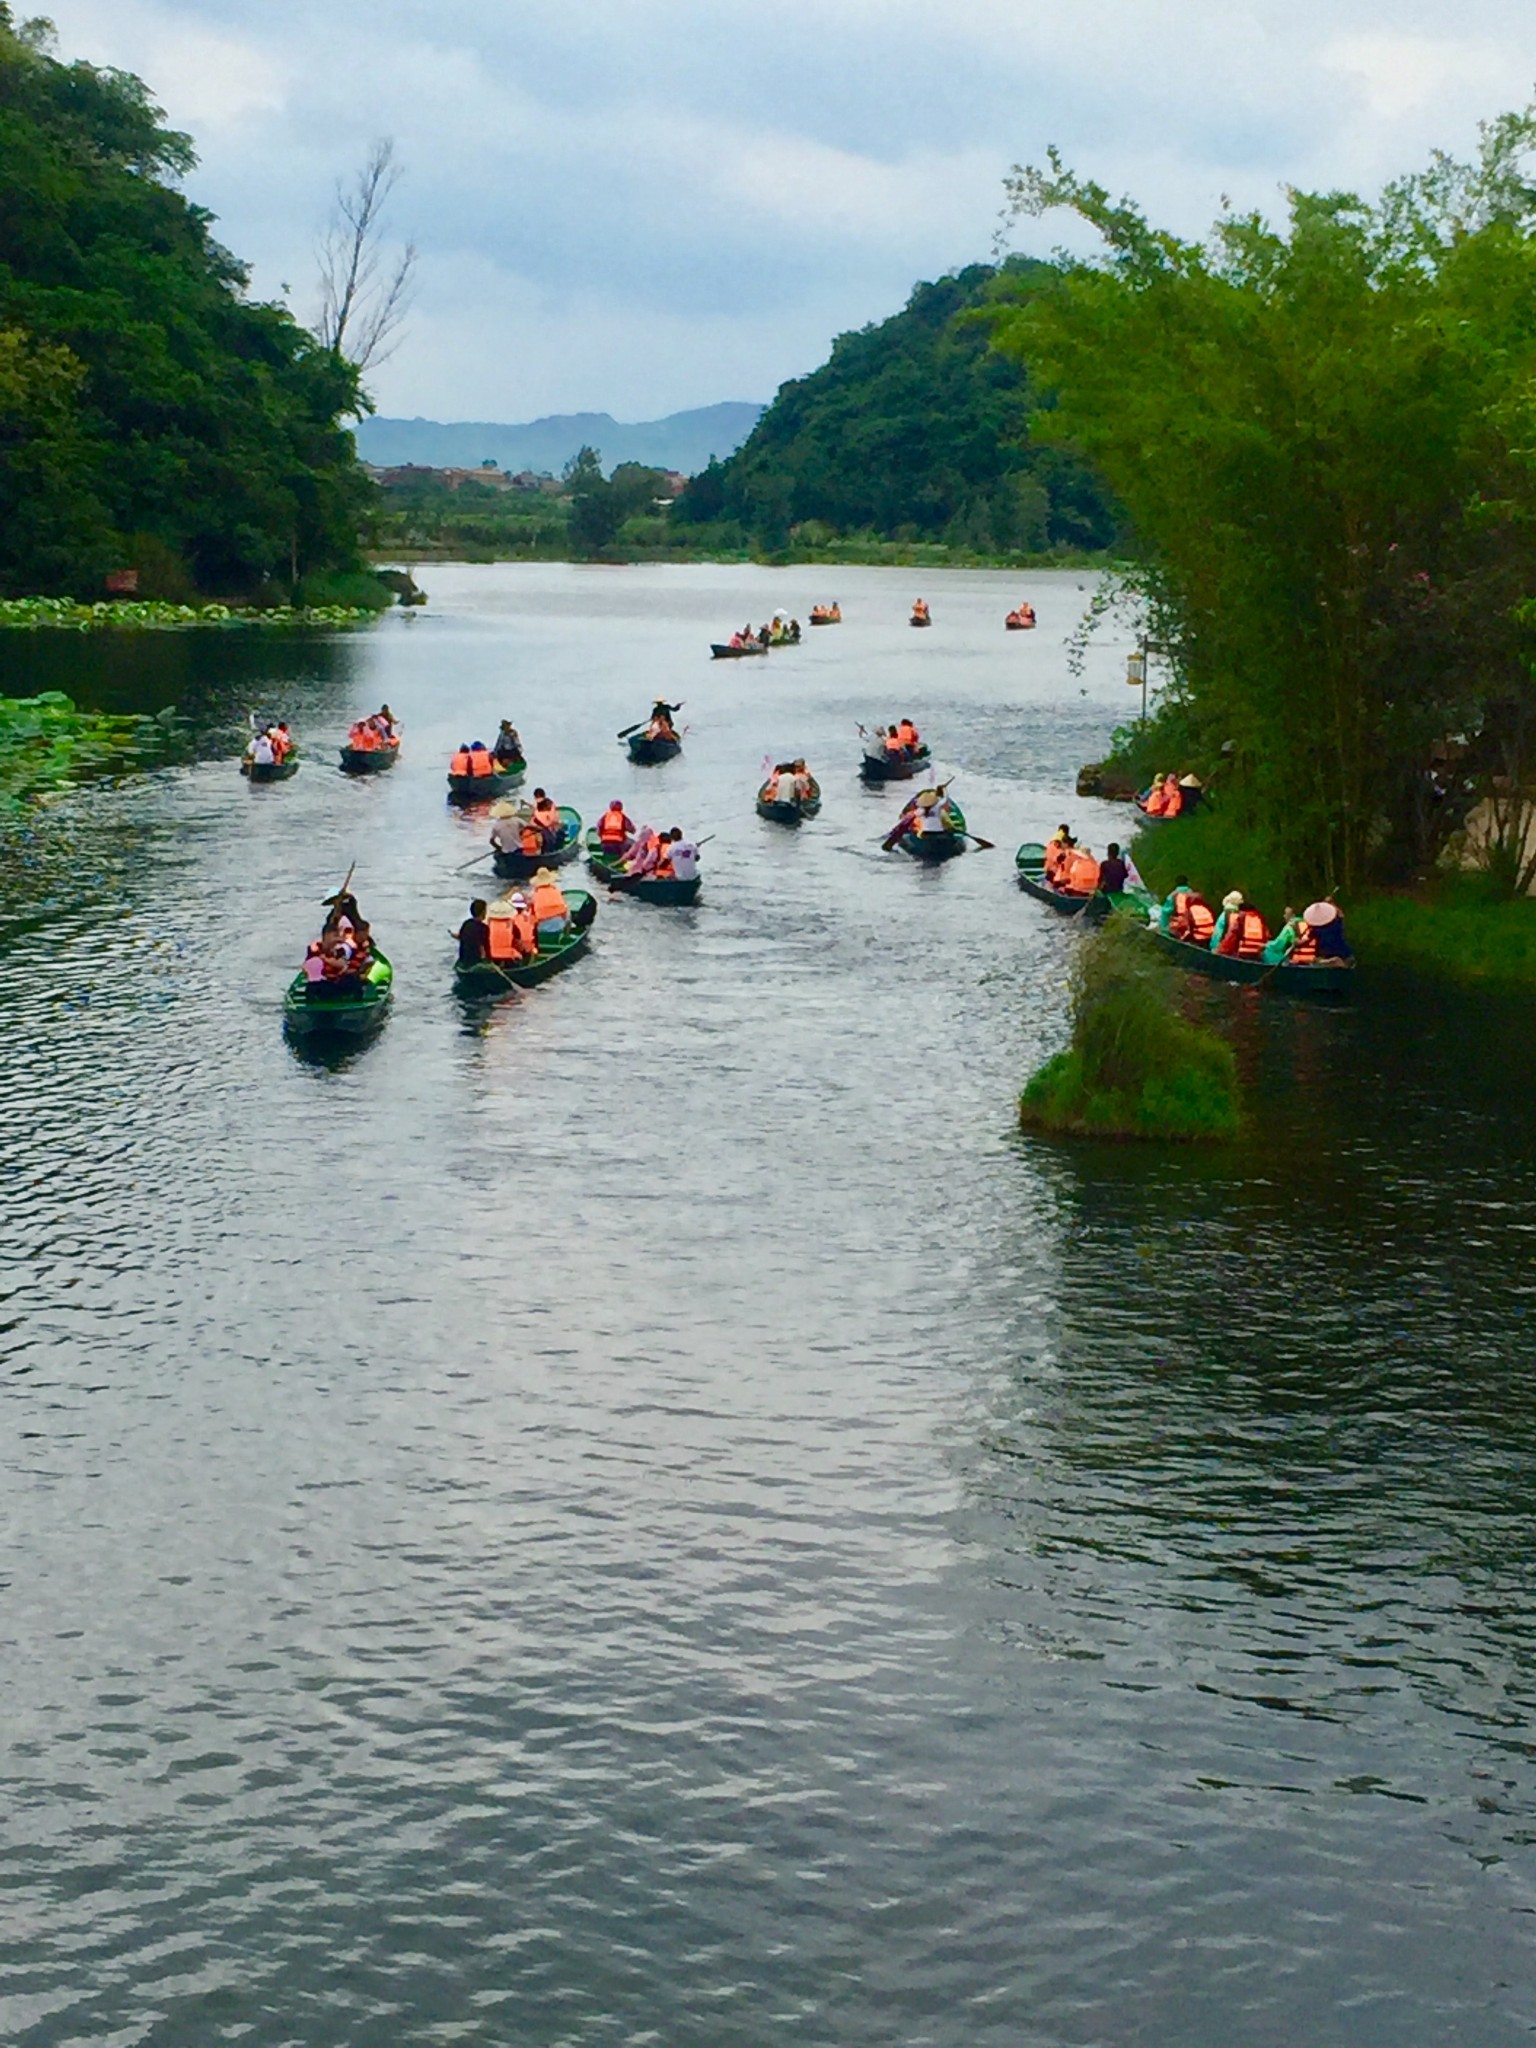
(634,206)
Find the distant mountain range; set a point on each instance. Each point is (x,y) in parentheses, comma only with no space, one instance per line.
(683,440)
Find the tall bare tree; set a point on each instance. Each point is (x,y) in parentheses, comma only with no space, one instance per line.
(363,299)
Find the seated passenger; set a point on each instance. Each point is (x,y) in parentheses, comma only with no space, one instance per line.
(682,856)
(314,963)
(643,855)
(546,815)
(1153,799)
(459,762)
(615,828)
(785,787)
(1113,871)
(1173,797)
(263,753)
(1057,853)
(509,747)
(481,760)
(1241,932)
(1327,923)
(906,732)
(1081,874)
(551,912)
(474,935)
(895,745)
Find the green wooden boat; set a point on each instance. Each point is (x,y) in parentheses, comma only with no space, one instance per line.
(936,846)
(269,771)
(490,978)
(325,1010)
(1029,862)
(893,767)
(645,750)
(1329,978)
(649,888)
(480,789)
(369,760)
(789,814)
(517,867)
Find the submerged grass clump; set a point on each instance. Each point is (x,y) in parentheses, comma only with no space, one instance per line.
(47,745)
(1135,1068)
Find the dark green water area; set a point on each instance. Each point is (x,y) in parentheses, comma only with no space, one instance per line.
(651,1513)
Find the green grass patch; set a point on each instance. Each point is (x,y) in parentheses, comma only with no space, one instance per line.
(1216,852)
(1136,1068)
(1458,929)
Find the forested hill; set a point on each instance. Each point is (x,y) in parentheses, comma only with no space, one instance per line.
(150,414)
(912,430)
(683,440)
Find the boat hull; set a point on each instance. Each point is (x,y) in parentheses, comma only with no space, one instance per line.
(1326,979)
(480,789)
(1029,863)
(788,813)
(269,771)
(825,622)
(368,760)
(932,846)
(357,1014)
(648,888)
(919,622)
(893,768)
(517,867)
(646,751)
(728,653)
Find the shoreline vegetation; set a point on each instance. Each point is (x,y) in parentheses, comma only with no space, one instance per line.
(852,552)
(66,614)
(48,746)
(1135,1068)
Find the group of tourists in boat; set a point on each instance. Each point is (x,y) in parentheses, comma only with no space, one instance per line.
(921,616)
(370,735)
(270,747)
(1314,936)
(790,782)
(927,814)
(779,632)
(640,851)
(532,829)
(827,614)
(1072,870)
(520,925)
(475,758)
(1167,796)
(899,741)
(337,963)
(1020,619)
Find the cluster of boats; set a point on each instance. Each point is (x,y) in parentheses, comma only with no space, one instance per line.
(783,631)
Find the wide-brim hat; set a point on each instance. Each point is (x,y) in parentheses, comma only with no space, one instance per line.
(926,799)
(545,875)
(1233,900)
(1319,914)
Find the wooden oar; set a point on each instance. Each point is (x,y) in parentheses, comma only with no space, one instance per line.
(982,845)
(489,854)
(346,885)
(624,735)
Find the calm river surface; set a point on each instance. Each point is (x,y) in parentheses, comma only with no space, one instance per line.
(652,1515)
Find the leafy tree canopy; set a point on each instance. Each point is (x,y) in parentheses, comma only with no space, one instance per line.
(1325,437)
(914,428)
(146,405)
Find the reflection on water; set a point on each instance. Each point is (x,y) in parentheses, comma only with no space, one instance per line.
(650,1512)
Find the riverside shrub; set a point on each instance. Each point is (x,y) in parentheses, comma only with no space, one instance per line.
(1135,1067)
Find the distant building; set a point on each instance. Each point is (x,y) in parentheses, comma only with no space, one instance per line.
(487,475)
(677,483)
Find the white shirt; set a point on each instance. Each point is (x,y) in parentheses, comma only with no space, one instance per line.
(685,860)
(932,819)
(261,750)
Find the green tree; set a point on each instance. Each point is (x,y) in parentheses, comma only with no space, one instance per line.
(1323,436)
(597,509)
(189,413)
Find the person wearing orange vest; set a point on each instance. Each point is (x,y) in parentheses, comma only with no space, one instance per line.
(906,732)
(1155,800)
(615,828)
(459,765)
(481,762)
(1240,931)
(1057,853)
(895,746)
(546,816)
(1082,873)
(510,931)
(1173,796)
(551,912)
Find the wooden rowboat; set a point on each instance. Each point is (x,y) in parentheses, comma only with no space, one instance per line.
(517,867)
(269,771)
(1327,978)
(649,888)
(893,767)
(644,749)
(917,620)
(369,760)
(724,652)
(789,814)
(489,978)
(325,1010)
(1029,863)
(936,846)
(480,789)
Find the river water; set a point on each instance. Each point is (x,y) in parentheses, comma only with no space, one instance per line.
(653,1515)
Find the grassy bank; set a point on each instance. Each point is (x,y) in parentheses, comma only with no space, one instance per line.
(48,746)
(1136,1068)
(877,554)
(1455,928)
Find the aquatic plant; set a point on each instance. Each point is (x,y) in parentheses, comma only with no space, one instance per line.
(1135,1067)
(48,745)
(136,614)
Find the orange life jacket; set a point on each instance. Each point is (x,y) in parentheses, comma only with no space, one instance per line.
(1082,875)
(548,819)
(1304,952)
(548,902)
(894,744)
(504,939)
(459,765)
(480,762)
(1173,800)
(530,838)
(1201,920)
(908,733)
(612,830)
(663,870)
(1057,854)
(1156,802)
(1246,935)
(523,922)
